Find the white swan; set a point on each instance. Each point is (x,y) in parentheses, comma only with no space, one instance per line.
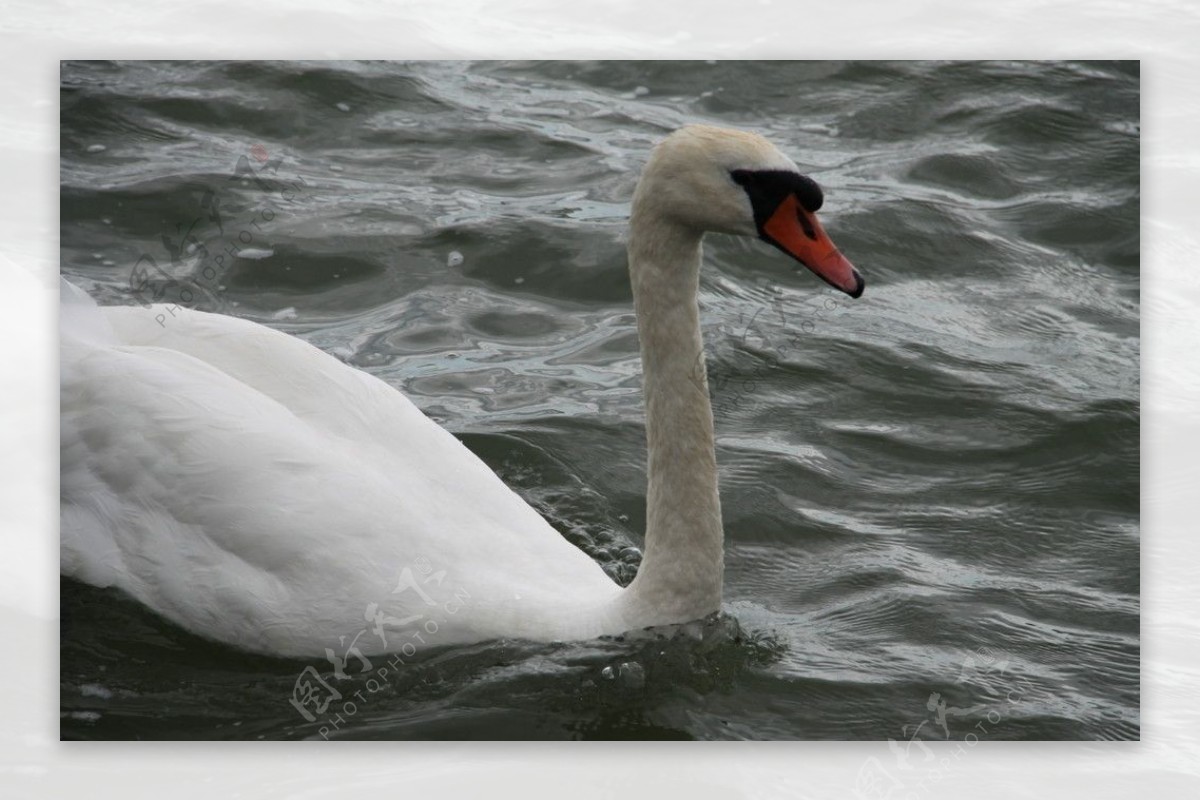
(259,492)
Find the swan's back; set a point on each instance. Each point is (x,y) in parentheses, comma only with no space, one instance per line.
(258,491)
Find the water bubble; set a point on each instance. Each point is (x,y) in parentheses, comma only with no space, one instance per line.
(633,675)
(255,253)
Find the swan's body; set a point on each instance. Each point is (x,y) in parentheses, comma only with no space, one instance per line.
(257,491)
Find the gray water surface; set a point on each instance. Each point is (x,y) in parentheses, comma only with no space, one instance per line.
(930,493)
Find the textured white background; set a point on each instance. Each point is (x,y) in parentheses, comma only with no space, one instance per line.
(1164,34)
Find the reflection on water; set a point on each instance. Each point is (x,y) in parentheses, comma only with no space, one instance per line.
(930,493)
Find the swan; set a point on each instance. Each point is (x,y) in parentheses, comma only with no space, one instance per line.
(259,492)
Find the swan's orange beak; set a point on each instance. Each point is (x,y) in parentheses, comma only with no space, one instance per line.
(799,234)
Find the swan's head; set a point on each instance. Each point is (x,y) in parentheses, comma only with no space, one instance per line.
(733,182)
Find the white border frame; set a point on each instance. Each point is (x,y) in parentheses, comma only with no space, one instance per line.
(35,36)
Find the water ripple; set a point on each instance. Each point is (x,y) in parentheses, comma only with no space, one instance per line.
(930,494)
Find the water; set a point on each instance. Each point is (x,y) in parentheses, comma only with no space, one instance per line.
(930,493)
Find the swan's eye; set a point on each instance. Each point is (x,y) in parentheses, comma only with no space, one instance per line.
(767,189)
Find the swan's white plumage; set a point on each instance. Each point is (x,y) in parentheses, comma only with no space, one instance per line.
(259,492)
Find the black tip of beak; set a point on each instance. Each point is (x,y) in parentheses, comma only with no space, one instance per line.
(859,287)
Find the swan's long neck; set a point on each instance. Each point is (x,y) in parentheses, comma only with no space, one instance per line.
(681,572)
